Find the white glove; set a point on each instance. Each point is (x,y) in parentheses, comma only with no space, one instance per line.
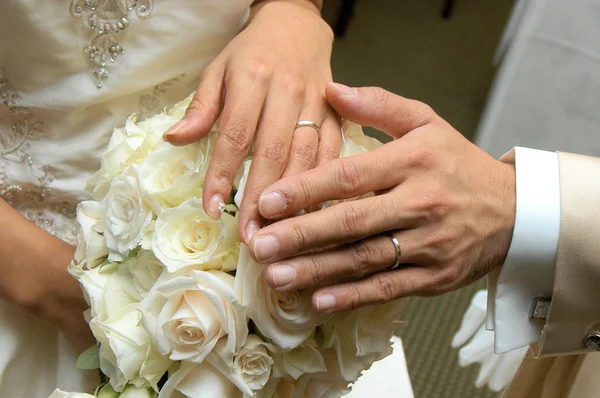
(497,370)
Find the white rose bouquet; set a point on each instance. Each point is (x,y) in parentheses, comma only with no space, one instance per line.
(178,305)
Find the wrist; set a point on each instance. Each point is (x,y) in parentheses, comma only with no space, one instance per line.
(508,207)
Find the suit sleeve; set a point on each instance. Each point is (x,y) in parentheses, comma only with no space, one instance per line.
(574,316)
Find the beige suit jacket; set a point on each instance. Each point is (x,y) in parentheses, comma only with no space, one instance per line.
(561,365)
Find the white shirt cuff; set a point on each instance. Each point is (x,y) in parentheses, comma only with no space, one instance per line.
(528,272)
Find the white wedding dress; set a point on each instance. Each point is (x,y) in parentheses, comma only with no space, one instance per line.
(70,71)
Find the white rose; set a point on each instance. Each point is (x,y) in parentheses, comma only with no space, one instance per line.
(144,270)
(362,336)
(91,245)
(173,174)
(135,392)
(158,124)
(213,377)
(187,315)
(186,236)
(303,359)
(123,145)
(62,394)
(254,362)
(355,141)
(93,282)
(287,318)
(125,215)
(328,384)
(127,354)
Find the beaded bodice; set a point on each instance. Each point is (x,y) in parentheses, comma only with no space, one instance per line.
(72,71)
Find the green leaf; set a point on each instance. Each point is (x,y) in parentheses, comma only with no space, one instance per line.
(89,359)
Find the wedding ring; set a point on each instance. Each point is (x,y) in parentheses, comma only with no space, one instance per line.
(307,123)
(398,251)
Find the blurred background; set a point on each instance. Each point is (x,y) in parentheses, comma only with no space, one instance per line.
(504,73)
(411,48)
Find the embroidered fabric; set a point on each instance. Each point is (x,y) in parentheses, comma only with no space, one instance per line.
(55,124)
(53,132)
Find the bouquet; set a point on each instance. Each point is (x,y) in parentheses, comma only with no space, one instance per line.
(179,307)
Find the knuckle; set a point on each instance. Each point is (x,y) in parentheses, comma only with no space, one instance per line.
(381,98)
(348,177)
(330,152)
(385,287)
(305,155)
(446,278)
(294,86)
(274,154)
(300,236)
(363,255)
(436,202)
(223,177)
(351,219)
(259,69)
(238,136)
(195,105)
(420,157)
(354,297)
(315,271)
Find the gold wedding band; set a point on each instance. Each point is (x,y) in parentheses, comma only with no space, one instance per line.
(307,123)
(398,251)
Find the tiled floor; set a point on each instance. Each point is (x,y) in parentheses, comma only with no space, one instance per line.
(406,47)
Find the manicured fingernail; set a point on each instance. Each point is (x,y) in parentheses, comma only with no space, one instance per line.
(345,90)
(325,302)
(174,129)
(282,275)
(216,206)
(251,229)
(266,248)
(271,204)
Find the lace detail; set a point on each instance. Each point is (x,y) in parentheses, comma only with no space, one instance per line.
(107,18)
(150,104)
(14,145)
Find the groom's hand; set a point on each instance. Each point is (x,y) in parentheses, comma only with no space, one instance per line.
(450,206)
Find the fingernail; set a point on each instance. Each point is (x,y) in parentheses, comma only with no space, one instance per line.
(345,90)
(174,129)
(216,206)
(251,229)
(266,248)
(271,204)
(325,302)
(282,275)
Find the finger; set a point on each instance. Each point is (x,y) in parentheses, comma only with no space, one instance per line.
(272,149)
(202,112)
(332,266)
(506,369)
(480,347)
(472,320)
(488,367)
(243,104)
(305,141)
(376,107)
(340,224)
(330,139)
(339,179)
(378,288)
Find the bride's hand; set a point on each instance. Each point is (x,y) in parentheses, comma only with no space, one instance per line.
(34,276)
(269,77)
(450,206)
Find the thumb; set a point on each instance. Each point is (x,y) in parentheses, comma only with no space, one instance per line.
(378,108)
